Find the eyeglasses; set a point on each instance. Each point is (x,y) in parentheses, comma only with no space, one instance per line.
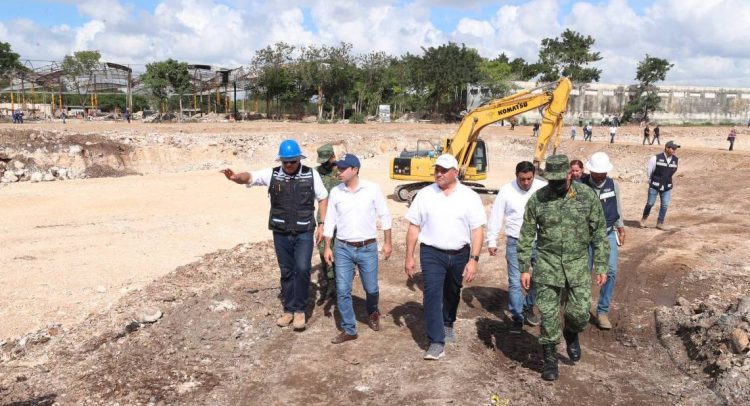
(289,162)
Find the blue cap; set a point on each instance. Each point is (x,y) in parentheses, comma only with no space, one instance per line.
(348,161)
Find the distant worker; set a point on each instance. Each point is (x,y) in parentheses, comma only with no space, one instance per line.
(646,135)
(354,207)
(513,122)
(660,169)
(609,195)
(293,189)
(588,133)
(612,133)
(447,218)
(563,217)
(656,136)
(536,129)
(616,121)
(573,132)
(127,115)
(731,137)
(509,206)
(576,170)
(329,176)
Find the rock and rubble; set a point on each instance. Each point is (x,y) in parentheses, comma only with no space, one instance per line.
(710,342)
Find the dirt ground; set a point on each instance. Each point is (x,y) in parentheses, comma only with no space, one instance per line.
(86,261)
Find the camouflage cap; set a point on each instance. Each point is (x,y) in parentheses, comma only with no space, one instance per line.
(556,167)
(325,153)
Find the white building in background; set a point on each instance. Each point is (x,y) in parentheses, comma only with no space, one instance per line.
(595,102)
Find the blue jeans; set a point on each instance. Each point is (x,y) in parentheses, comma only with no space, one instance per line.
(443,275)
(516,299)
(664,197)
(294,253)
(605,293)
(366,258)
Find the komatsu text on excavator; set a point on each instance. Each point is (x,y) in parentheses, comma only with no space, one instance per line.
(471,151)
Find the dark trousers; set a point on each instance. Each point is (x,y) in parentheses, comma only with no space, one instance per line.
(443,277)
(294,253)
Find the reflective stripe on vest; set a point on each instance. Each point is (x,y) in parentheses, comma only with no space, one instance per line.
(292,201)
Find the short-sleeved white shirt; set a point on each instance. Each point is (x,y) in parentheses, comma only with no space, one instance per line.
(263,178)
(354,214)
(446,221)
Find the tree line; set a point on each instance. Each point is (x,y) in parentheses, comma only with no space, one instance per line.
(333,82)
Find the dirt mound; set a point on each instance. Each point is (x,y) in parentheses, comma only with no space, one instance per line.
(710,343)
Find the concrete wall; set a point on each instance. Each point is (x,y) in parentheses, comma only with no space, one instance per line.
(680,104)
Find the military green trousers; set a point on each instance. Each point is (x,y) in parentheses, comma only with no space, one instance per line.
(328,270)
(575,313)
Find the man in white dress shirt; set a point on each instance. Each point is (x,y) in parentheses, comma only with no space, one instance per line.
(509,206)
(447,218)
(354,206)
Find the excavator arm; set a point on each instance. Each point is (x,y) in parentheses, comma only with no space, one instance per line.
(554,100)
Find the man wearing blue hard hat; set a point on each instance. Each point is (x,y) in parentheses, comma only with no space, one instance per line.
(293,189)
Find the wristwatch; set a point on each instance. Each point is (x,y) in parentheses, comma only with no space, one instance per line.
(474,257)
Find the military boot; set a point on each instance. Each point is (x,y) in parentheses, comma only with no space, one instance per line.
(550,371)
(574,347)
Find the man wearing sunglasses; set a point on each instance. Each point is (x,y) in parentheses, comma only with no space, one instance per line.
(660,169)
(447,218)
(293,189)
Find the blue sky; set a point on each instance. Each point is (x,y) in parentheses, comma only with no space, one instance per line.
(705,39)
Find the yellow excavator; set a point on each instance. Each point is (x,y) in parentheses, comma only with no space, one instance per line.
(471,151)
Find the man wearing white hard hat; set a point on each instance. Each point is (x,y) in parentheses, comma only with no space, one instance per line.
(608,191)
(447,218)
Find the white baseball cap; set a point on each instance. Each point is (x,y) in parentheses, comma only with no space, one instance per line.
(447,161)
(599,163)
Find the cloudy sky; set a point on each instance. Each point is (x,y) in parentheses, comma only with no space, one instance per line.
(707,40)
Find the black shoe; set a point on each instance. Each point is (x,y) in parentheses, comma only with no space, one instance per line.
(530,317)
(574,347)
(516,327)
(550,371)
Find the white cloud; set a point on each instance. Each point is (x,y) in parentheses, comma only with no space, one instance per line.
(706,40)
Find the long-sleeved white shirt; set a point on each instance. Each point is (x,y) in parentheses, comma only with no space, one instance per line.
(353,214)
(509,205)
(651,165)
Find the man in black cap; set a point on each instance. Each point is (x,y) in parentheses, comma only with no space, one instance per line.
(660,169)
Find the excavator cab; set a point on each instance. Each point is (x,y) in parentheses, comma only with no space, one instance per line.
(419,165)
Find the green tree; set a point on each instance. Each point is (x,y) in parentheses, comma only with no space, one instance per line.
(273,69)
(166,78)
(446,70)
(372,79)
(10,64)
(79,70)
(650,70)
(568,56)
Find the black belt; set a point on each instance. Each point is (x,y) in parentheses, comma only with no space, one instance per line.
(449,252)
(359,244)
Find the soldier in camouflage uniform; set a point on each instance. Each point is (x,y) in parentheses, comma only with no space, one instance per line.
(328,173)
(564,217)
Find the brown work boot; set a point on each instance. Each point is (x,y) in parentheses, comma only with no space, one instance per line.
(299,321)
(285,320)
(642,223)
(662,227)
(602,320)
(343,337)
(373,320)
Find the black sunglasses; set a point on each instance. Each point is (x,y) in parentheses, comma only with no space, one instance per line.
(289,162)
